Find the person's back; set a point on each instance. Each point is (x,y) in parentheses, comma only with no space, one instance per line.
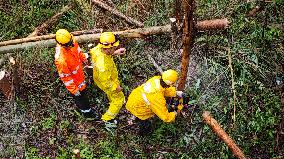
(149,99)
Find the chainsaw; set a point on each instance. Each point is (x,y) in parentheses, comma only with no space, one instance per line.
(178,103)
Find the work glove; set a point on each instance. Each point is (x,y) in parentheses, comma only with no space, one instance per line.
(77,93)
(179,93)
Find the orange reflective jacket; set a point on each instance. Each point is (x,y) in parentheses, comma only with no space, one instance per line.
(70,68)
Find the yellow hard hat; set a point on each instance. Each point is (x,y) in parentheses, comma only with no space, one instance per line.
(170,77)
(63,37)
(108,40)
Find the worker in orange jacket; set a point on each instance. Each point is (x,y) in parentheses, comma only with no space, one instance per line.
(69,60)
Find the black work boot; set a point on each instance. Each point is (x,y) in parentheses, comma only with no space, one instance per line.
(91,113)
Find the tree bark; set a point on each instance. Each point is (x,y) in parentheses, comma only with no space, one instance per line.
(223,135)
(178,11)
(43,27)
(187,41)
(117,13)
(5,85)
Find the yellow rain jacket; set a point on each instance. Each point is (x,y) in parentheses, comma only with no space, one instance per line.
(149,99)
(106,78)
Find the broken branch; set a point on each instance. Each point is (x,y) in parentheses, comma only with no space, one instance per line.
(223,135)
(42,28)
(117,13)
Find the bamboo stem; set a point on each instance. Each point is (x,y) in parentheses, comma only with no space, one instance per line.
(223,135)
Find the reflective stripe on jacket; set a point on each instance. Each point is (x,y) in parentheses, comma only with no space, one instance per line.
(149,99)
(69,64)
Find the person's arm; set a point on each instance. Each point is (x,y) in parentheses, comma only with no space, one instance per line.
(83,56)
(158,106)
(66,77)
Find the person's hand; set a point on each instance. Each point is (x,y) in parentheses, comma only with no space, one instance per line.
(120,51)
(77,93)
(179,93)
(118,89)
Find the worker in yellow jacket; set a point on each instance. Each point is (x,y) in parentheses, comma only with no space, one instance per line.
(149,99)
(105,72)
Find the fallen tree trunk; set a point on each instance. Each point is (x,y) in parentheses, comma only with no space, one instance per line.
(203,25)
(223,135)
(117,13)
(42,28)
(133,33)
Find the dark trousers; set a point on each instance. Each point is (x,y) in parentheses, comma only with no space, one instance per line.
(82,101)
(145,127)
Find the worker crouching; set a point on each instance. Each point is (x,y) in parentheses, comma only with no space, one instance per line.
(105,73)
(69,60)
(149,99)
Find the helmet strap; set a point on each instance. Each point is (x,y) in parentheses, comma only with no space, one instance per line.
(163,83)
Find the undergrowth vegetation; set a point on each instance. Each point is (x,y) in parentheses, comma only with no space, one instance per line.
(52,128)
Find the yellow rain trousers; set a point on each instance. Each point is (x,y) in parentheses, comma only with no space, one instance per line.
(149,99)
(106,78)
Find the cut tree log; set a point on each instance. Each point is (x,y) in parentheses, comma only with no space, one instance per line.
(40,30)
(117,13)
(223,135)
(212,24)
(187,41)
